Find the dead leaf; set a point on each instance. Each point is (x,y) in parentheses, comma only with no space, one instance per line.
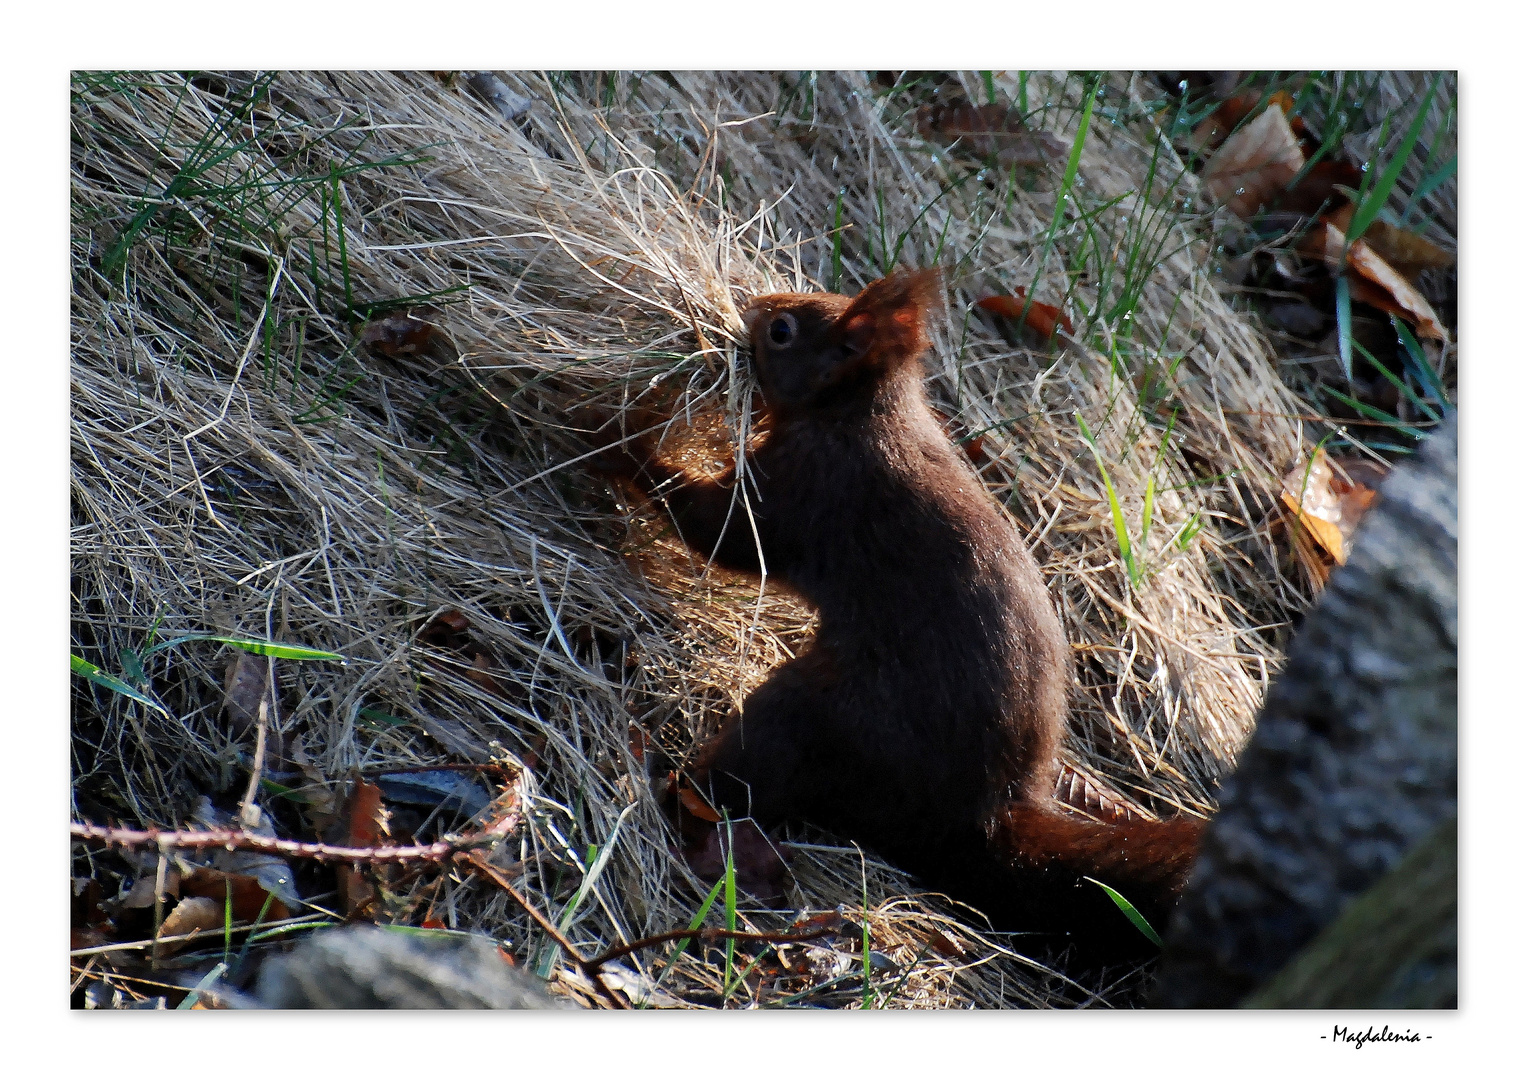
(245,681)
(759,865)
(399,335)
(248,895)
(989,131)
(1214,129)
(690,799)
(1041,318)
(194,914)
(141,895)
(1408,252)
(823,920)
(1328,504)
(637,741)
(447,630)
(1321,188)
(944,945)
(482,674)
(368,825)
(1255,165)
(1328,243)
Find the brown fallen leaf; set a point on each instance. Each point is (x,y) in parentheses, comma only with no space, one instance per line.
(1408,252)
(1041,318)
(1327,504)
(989,131)
(944,945)
(690,799)
(1321,187)
(194,914)
(760,866)
(249,898)
(141,895)
(399,335)
(446,630)
(367,827)
(637,741)
(1254,166)
(246,680)
(1214,129)
(1327,242)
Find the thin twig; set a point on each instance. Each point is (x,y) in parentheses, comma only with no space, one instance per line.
(236,840)
(249,813)
(589,967)
(710,934)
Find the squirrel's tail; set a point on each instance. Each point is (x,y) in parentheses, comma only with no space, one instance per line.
(1030,875)
(1149,858)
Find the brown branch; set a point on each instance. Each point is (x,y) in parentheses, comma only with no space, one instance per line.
(238,840)
(710,934)
(589,967)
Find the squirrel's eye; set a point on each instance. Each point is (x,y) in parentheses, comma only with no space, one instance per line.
(782,330)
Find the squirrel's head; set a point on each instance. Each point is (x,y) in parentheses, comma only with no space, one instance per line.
(813,348)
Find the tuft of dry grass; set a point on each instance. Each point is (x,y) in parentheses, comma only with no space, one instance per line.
(243,464)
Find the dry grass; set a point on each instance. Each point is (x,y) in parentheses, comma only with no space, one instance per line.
(241,464)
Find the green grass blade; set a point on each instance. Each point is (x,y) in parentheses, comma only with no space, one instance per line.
(838,242)
(1376,197)
(695,924)
(1187,531)
(867,995)
(1068,178)
(1121,533)
(1375,414)
(1345,326)
(595,870)
(1417,360)
(1399,384)
(132,667)
(208,979)
(1435,179)
(81,666)
(254,645)
(1136,918)
(729,895)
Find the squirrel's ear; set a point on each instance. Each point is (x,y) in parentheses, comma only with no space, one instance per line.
(858,333)
(891,313)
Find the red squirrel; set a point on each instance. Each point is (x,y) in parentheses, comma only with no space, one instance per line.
(924,720)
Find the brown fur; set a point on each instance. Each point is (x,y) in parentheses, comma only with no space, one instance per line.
(925,719)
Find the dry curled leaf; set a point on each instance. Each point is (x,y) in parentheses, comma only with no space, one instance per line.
(248,897)
(142,894)
(1214,129)
(989,131)
(1254,166)
(194,914)
(1321,186)
(1359,259)
(1328,504)
(367,827)
(399,335)
(246,680)
(1408,252)
(491,88)
(759,865)
(944,945)
(690,799)
(1043,319)
(637,741)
